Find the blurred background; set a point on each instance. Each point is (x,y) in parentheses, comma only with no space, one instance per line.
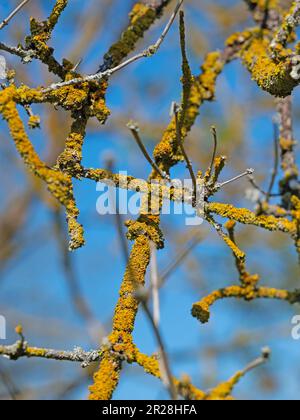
(66,300)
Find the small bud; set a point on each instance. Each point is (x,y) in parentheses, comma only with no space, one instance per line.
(19,329)
(266,353)
(132,125)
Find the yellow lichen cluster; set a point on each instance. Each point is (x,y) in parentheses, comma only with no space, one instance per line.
(247,217)
(121,342)
(59,183)
(201,309)
(249,289)
(270,75)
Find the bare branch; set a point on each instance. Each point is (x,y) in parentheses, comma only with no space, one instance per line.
(248,172)
(215,138)
(13,14)
(264,358)
(276,162)
(9,384)
(179,259)
(134,128)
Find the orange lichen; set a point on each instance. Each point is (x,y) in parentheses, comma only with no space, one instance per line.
(147,227)
(184,386)
(34,121)
(59,183)
(240,255)
(219,165)
(224,390)
(124,319)
(272,76)
(247,217)
(201,309)
(240,258)
(57,10)
(149,363)
(107,379)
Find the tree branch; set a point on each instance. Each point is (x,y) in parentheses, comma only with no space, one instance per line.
(13,14)
(151,50)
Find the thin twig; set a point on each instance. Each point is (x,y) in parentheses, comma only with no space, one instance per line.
(255,185)
(178,260)
(150,51)
(134,128)
(248,172)
(166,374)
(265,357)
(215,138)
(80,304)
(158,43)
(276,162)
(13,14)
(9,384)
(175,109)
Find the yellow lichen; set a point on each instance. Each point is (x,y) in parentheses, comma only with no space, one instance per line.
(106,380)
(224,390)
(59,183)
(247,217)
(272,76)
(34,121)
(123,324)
(201,309)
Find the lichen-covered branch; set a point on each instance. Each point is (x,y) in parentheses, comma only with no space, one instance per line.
(286,32)
(201,309)
(289,184)
(141,18)
(22,349)
(120,341)
(247,217)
